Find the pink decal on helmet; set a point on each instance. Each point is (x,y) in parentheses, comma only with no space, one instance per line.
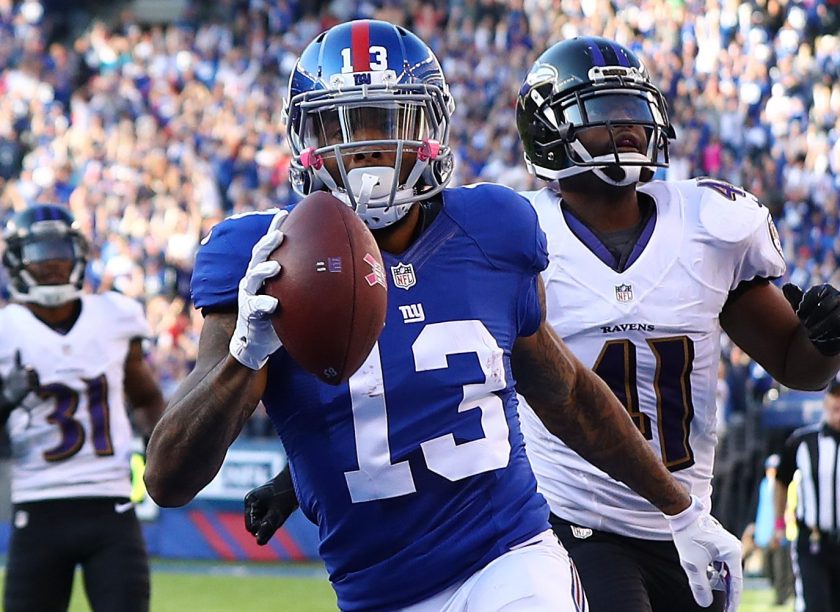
(308,159)
(428,150)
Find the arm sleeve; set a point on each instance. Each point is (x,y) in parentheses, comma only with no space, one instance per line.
(530,310)
(505,227)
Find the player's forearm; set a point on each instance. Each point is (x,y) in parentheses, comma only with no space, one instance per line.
(191,439)
(599,429)
(761,322)
(805,367)
(578,407)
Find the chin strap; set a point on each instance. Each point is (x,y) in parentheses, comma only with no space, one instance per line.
(611,173)
(621,175)
(373,195)
(369,181)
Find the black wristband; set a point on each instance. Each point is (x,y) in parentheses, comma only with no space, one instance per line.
(282,483)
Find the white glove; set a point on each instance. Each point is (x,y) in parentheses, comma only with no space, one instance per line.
(254,338)
(708,554)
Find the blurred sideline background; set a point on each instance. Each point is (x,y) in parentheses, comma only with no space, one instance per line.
(154,119)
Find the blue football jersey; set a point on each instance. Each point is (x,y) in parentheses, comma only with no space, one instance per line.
(415,470)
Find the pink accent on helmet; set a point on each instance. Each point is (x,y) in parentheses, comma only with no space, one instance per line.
(428,150)
(308,159)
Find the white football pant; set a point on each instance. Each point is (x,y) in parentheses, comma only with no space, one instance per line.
(537,575)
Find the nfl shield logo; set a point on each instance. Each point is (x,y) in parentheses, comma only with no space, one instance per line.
(404,276)
(624,293)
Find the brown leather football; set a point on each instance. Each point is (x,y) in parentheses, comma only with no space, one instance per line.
(331,288)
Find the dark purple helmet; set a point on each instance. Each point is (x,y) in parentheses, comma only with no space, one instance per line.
(589,82)
(41,233)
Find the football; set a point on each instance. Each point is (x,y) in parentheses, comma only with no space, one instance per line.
(331,288)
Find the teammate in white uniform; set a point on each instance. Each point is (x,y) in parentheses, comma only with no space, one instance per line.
(641,281)
(68,423)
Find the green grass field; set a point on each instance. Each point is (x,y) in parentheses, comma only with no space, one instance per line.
(234,588)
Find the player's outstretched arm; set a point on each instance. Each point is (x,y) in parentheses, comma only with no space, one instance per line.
(203,418)
(794,336)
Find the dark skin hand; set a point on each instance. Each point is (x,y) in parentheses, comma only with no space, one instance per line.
(207,412)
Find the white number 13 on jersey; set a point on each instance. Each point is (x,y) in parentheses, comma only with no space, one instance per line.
(377,477)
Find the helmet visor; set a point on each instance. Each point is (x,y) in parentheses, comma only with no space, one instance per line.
(46,248)
(348,124)
(626,107)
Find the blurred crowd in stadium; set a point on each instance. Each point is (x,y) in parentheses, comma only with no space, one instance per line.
(151,134)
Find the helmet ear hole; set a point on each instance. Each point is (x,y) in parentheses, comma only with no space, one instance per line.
(438,172)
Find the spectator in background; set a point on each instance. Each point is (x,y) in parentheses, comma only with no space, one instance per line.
(738,381)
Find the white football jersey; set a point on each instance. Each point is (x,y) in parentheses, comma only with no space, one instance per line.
(72,438)
(653,333)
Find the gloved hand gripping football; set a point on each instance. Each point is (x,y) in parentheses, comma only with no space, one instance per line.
(254,338)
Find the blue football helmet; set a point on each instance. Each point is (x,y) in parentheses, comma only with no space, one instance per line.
(44,232)
(370,88)
(589,82)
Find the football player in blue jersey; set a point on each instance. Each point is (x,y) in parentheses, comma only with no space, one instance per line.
(415,469)
(643,278)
